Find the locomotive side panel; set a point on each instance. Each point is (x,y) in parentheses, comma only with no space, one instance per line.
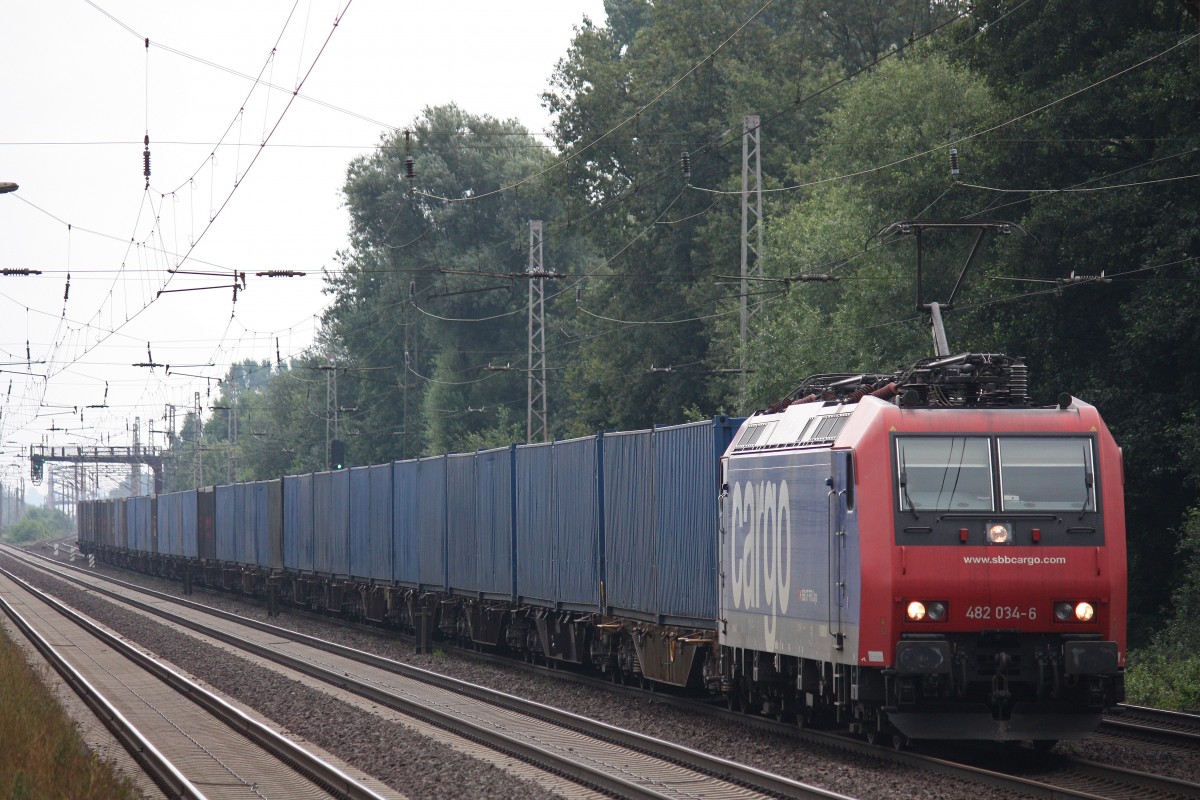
(789,568)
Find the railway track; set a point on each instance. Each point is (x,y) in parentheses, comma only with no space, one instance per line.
(608,759)
(1020,770)
(189,742)
(1171,727)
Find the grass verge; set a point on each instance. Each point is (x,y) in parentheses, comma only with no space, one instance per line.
(41,753)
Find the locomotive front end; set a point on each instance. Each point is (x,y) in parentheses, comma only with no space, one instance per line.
(1008,573)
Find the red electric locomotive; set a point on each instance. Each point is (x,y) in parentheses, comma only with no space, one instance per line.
(925,555)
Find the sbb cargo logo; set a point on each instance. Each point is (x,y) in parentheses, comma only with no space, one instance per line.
(760,549)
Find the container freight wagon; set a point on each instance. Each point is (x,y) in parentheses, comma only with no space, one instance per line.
(248,533)
(660,512)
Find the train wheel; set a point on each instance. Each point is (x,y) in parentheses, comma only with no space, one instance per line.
(899,742)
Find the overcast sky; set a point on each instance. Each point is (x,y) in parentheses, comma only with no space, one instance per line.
(80,90)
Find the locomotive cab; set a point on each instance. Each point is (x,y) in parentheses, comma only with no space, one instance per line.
(1006,607)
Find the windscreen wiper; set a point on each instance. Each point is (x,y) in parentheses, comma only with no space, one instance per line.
(1088,481)
(904,489)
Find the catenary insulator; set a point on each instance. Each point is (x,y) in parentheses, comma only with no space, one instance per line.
(685,164)
(953,162)
(146,158)
(409,168)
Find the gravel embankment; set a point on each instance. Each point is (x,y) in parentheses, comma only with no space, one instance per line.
(390,751)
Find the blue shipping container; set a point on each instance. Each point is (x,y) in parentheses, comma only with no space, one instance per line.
(535,534)
(431,522)
(331,522)
(298,523)
(687,481)
(167,522)
(360,522)
(494,521)
(660,521)
(405,523)
(462,532)
(558,532)
(577,520)
(631,573)
(228,521)
(380,524)
(188,541)
(266,524)
(138,518)
(248,512)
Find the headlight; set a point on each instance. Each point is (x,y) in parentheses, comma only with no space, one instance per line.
(925,611)
(1074,611)
(999,533)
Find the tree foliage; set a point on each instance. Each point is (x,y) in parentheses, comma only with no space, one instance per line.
(432,293)
(883,158)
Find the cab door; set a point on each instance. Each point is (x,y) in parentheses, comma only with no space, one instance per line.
(841,504)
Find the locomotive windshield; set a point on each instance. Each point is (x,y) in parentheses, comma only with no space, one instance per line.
(1047,473)
(945,472)
(955,473)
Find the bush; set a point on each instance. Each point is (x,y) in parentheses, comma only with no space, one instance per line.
(1167,673)
(1161,680)
(39,524)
